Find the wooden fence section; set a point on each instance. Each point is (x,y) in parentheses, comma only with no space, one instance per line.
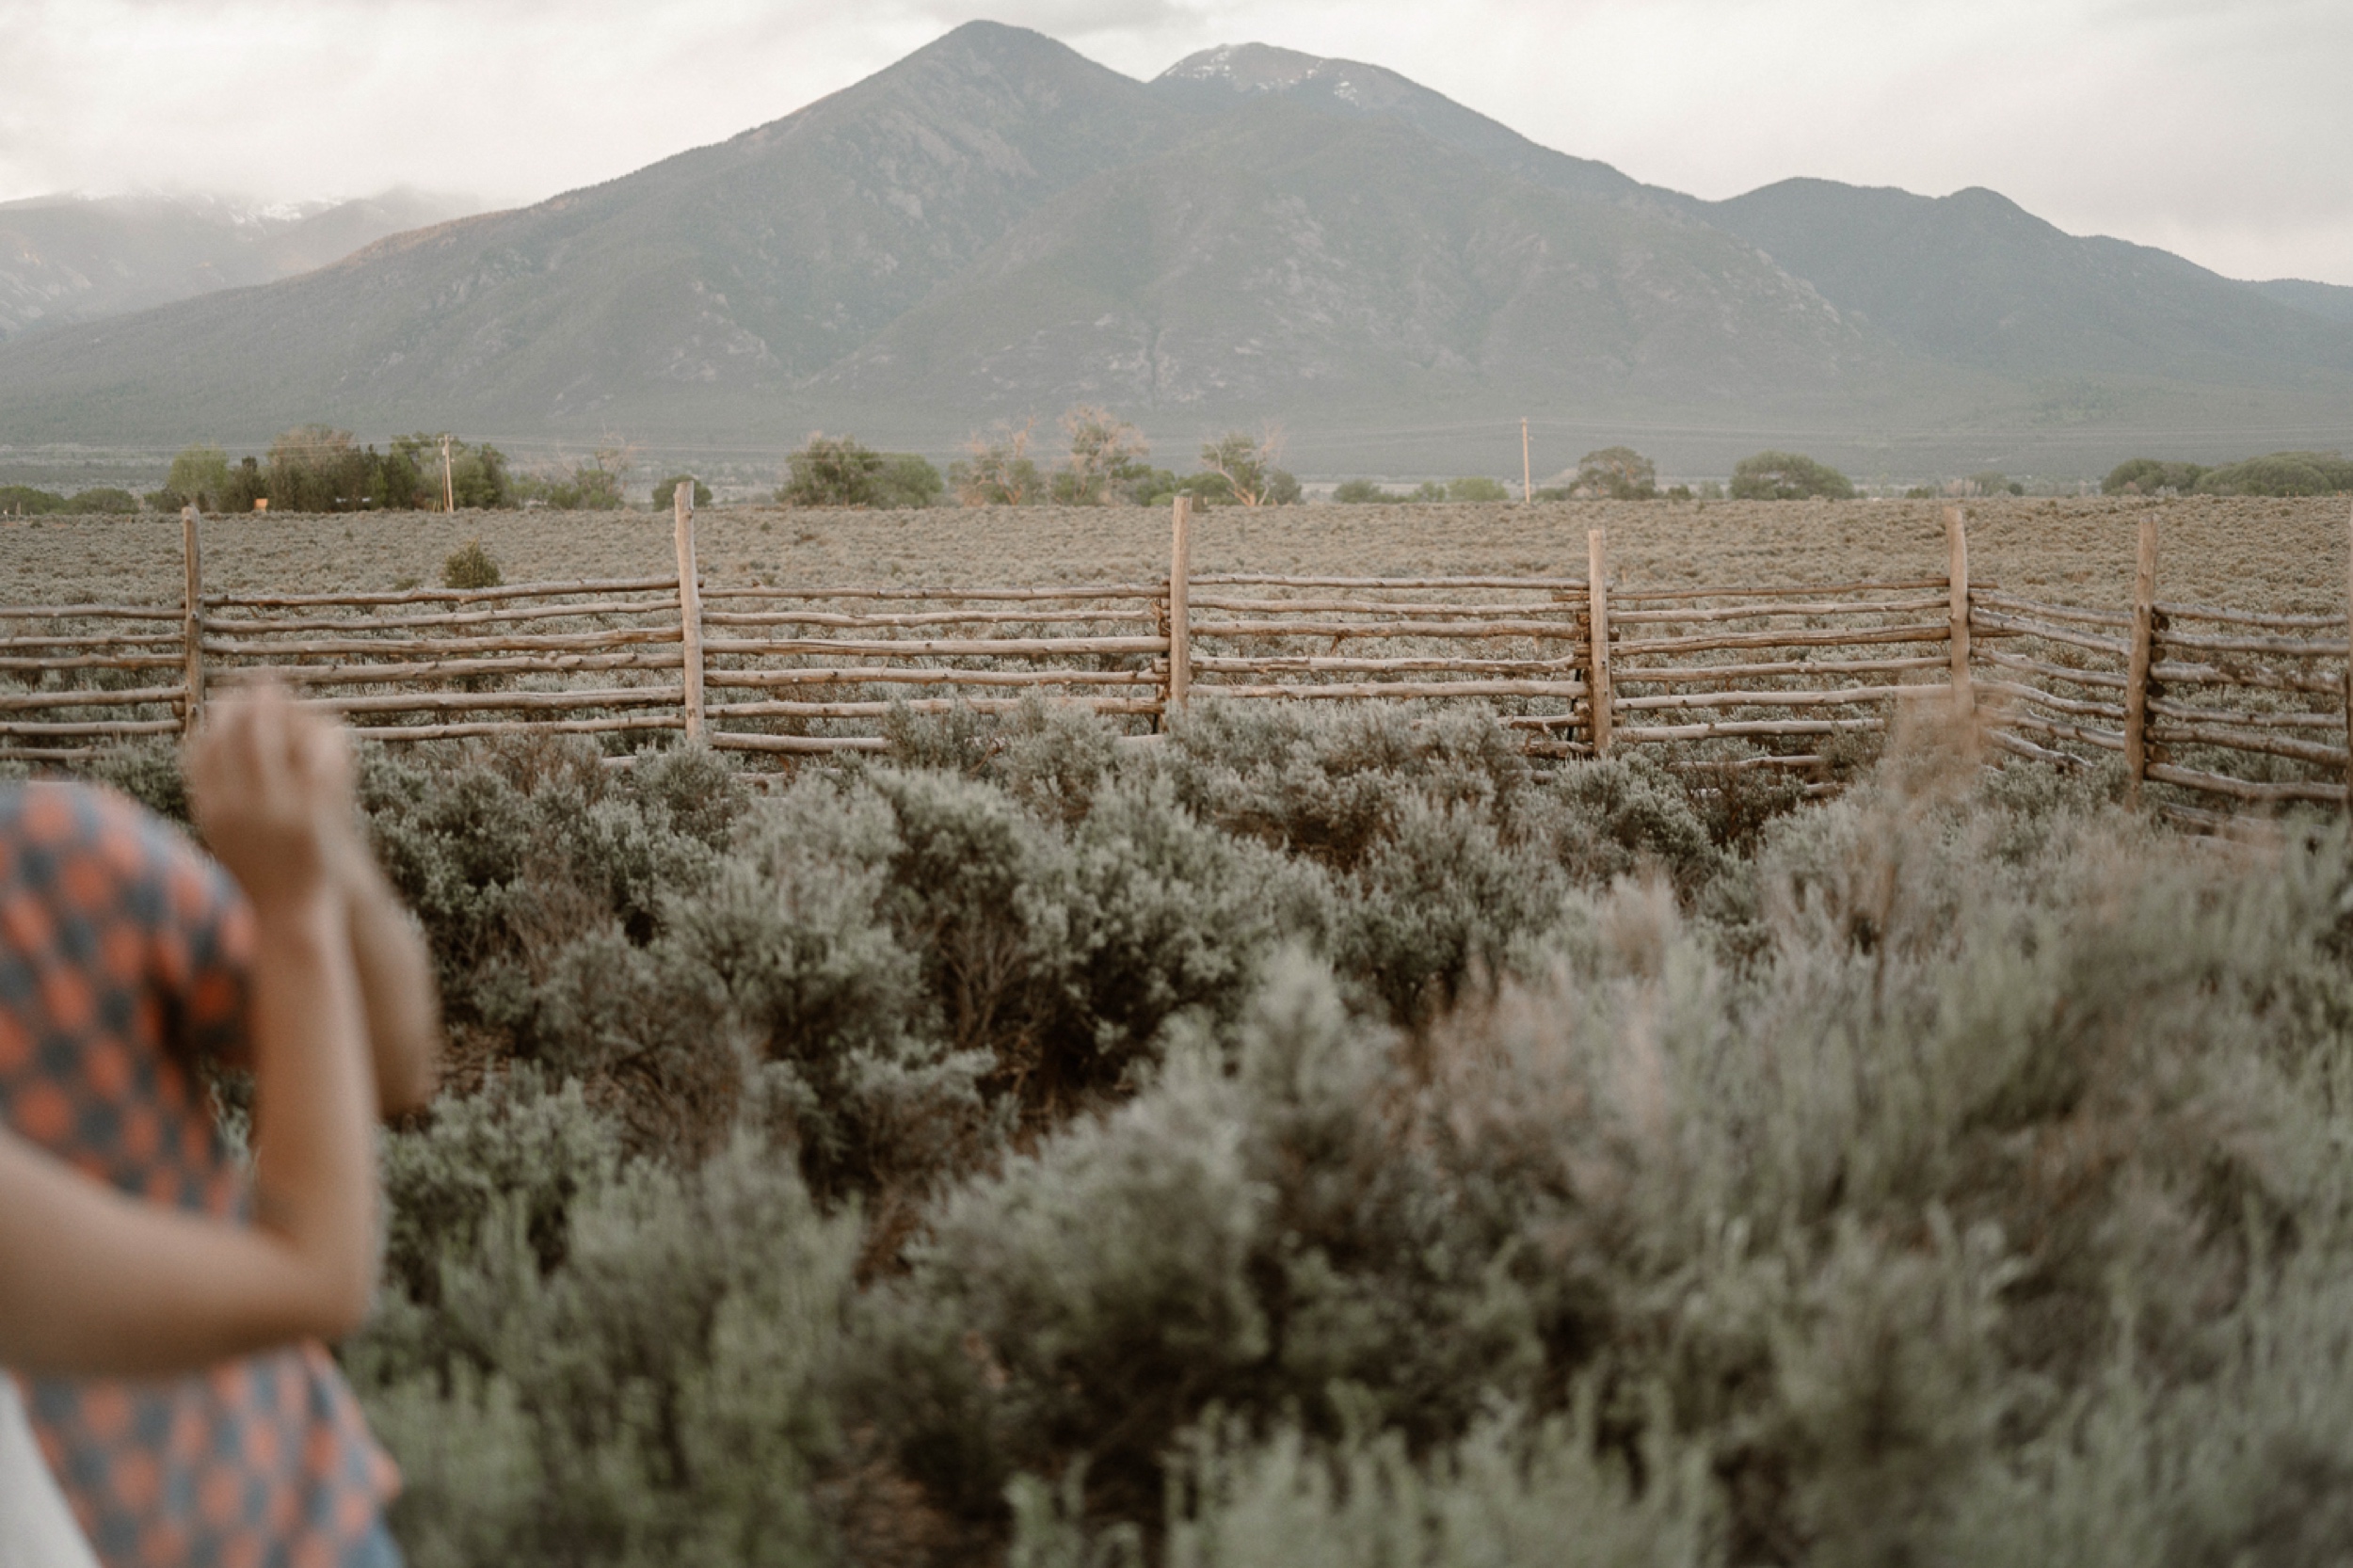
(2207,703)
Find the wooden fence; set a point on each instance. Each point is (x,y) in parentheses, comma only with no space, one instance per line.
(2245,708)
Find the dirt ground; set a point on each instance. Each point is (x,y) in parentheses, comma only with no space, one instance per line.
(2276,554)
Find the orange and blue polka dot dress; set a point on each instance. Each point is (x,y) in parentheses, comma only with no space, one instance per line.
(123,956)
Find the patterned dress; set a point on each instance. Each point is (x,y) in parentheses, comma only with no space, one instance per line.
(123,955)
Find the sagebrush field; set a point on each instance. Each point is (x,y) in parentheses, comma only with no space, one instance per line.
(1337,1139)
(2286,553)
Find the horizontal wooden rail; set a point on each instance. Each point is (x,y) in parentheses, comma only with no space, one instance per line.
(1796,669)
(2251,677)
(733,740)
(1647,596)
(459,669)
(1247,579)
(1556,629)
(58,640)
(1843,697)
(2274,620)
(1746,611)
(922,617)
(2284,648)
(1725,729)
(1635,648)
(2004,660)
(552,642)
(2111,740)
(89,727)
(1101,590)
(941,647)
(872,709)
(521,727)
(2290,719)
(2175,732)
(89,612)
(439,596)
(443,702)
(157,661)
(2268,794)
(237,624)
(93,696)
(2055,612)
(1404,608)
(2019,626)
(2076,705)
(921,675)
(1317,663)
(1333,689)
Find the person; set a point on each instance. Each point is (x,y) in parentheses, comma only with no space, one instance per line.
(163,1312)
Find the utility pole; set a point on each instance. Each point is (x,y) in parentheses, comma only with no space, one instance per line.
(449,487)
(1528,487)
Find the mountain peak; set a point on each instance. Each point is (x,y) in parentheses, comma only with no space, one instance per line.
(1247,67)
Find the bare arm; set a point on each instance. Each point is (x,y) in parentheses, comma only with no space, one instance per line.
(396,985)
(93,1281)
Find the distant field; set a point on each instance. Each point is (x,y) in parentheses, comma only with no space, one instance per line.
(2288,555)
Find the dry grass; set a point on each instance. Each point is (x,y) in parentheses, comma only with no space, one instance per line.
(2288,555)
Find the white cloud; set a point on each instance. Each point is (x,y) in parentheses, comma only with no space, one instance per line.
(2213,127)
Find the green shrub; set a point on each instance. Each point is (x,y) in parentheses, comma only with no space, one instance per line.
(469,566)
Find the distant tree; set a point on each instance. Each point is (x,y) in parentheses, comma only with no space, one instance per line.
(2280,473)
(1619,473)
(199,477)
(831,471)
(1787,477)
(1992,482)
(1247,463)
(469,566)
(1429,490)
(104,499)
(411,476)
(316,468)
(1105,455)
(998,470)
(24,500)
(1476,490)
(247,485)
(665,493)
(1361,492)
(908,480)
(2151,477)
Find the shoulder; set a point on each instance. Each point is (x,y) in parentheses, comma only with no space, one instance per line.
(98,849)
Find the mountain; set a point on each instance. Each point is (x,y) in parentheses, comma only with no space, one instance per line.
(995,227)
(2333,300)
(1975,278)
(65,259)
(1288,256)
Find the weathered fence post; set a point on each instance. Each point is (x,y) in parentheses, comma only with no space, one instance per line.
(690,606)
(2136,663)
(192,622)
(1180,607)
(1597,617)
(1956,541)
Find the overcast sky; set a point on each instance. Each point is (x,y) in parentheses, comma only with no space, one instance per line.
(2220,129)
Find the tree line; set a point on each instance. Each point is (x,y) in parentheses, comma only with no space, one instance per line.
(2280,473)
